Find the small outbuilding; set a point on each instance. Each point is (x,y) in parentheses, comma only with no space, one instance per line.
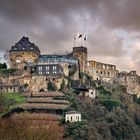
(87,92)
(72,116)
(91,93)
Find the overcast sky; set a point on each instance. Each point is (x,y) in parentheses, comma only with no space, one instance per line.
(112,27)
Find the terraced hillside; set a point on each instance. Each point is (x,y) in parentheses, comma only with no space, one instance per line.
(48,102)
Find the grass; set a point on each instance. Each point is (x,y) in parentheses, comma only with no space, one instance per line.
(19,98)
(11,100)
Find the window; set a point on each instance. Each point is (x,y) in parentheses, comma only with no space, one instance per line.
(47,72)
(67,118)
(40,72)
(15,48)
(71,118)
(23,48)
(54,72)
(40,68)
(31,48)
(54,67)
(47,67)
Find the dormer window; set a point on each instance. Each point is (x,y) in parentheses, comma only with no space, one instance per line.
(23,48)
(15,48)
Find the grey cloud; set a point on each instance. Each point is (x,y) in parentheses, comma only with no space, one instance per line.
(123,14)
(51,24)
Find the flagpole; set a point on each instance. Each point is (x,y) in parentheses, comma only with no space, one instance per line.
(74,40)
(81,41)
(80,36)
(85,39)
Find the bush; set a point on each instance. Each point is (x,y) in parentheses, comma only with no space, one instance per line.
(76,130)
(104,92)
(63,85)
(110,103)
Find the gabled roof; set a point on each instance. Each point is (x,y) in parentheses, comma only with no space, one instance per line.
(25,45)
(72,112)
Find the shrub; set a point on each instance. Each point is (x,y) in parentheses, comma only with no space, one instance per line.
(110,103)
(76,130)
(63,85)
(103,91)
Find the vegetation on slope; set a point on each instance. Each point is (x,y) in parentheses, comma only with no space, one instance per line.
(26,129)
(9,99)
(113,115)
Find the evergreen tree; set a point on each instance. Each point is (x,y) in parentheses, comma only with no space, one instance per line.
(62,86)
(4,66)
(51,86)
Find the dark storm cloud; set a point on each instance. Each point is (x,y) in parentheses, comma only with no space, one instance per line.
(51,24)
(122,14)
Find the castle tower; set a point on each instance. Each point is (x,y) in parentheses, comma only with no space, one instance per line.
(81,54)
(23,53)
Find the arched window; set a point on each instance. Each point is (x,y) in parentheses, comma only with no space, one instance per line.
(31,48)
(15,48)
(23,48)
(71,118)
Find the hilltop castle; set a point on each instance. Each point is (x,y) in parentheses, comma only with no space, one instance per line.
(36,70)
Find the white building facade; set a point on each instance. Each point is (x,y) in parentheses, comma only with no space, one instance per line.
(91,93)
(72,116)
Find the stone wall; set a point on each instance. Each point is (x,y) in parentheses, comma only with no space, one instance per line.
(19,59)
(41,82)
(81,54)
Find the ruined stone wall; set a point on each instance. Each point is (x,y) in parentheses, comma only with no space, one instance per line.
(102,71)
(131,80)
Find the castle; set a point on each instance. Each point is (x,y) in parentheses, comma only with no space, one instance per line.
(32,68)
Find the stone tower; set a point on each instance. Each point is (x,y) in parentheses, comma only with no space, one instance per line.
(81,54)
(23,53)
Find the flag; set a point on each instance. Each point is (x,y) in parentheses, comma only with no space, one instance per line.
(80,36)
(85,38)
